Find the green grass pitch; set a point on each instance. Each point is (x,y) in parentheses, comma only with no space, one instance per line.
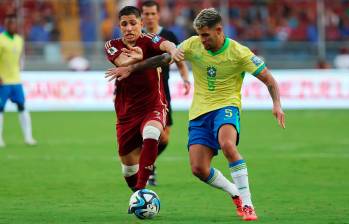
(297,175)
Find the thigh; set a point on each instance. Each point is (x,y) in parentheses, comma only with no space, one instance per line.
(156,118)
(129,137)
(5,91)
(17,94)
(200,156)
(200,133)
(229,118)
(131,158)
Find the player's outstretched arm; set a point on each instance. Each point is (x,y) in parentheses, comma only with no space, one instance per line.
(123,72)
(273,88)
(168,47)
(183,70)
(129,55)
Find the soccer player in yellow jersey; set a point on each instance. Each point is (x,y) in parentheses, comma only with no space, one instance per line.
(11,48)
(219,65)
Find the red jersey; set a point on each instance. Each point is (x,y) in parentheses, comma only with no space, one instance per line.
(142,91)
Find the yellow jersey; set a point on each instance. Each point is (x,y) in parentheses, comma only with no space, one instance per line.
(11,48)
(218,76)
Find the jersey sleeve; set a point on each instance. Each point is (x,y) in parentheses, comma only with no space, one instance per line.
(111,51)
(154,42)
(251,63)
(186,46)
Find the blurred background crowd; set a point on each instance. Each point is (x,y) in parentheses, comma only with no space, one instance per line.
(286,33)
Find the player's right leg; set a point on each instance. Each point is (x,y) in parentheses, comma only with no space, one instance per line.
(200,162)
(129,143)
(130,167)
(17,96)
(4,95)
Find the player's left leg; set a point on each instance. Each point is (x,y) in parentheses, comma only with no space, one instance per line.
(151,133)
(164,138)
(17,96)
(227,138)
(227,128)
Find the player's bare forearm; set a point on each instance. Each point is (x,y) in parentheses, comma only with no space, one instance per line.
(274,92)
(272,86)
(153,62)
(168,47)
(183,70)
(123,72)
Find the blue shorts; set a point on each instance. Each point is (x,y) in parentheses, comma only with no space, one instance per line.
(204,129)
(13,92)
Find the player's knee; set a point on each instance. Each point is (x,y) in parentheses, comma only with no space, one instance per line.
(200,172)
(228,144)
(20,107)
(151,132)
(164,138)
(128,171)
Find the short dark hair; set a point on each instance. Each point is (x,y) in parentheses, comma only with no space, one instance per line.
(150,3)
(130,10)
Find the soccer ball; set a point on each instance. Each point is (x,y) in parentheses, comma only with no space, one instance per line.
(145,204)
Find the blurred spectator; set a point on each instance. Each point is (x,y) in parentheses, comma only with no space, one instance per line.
(38,33)
(342,59)
(78,63)
(344,27)
(323,64)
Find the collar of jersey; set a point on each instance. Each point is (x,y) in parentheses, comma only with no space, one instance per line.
(225,46)
(9,35)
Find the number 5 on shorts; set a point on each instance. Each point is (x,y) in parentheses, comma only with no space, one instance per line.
(228,113)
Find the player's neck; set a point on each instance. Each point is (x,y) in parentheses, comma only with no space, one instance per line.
(129,43)
(220,43)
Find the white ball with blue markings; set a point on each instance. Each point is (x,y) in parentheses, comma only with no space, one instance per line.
(145,204)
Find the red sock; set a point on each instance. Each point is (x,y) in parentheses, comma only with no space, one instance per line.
(146,161)
(132,181)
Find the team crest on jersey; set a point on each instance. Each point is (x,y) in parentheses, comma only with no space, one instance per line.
(211,78)
(112,50)
(156,39)
(211,71)
(256,60)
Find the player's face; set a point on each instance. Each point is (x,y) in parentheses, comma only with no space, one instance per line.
(209,37)
(11,25)
(150,16)
(131,28)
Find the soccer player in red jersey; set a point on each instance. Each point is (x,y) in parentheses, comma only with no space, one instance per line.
(140,103)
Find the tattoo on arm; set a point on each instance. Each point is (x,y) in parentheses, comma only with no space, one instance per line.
(274,92)
(153,62)
(272,86)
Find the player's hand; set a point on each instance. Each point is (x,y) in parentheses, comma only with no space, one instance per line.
(279,115)
(118,73)
(178,55)
(135,53)
(186,85)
